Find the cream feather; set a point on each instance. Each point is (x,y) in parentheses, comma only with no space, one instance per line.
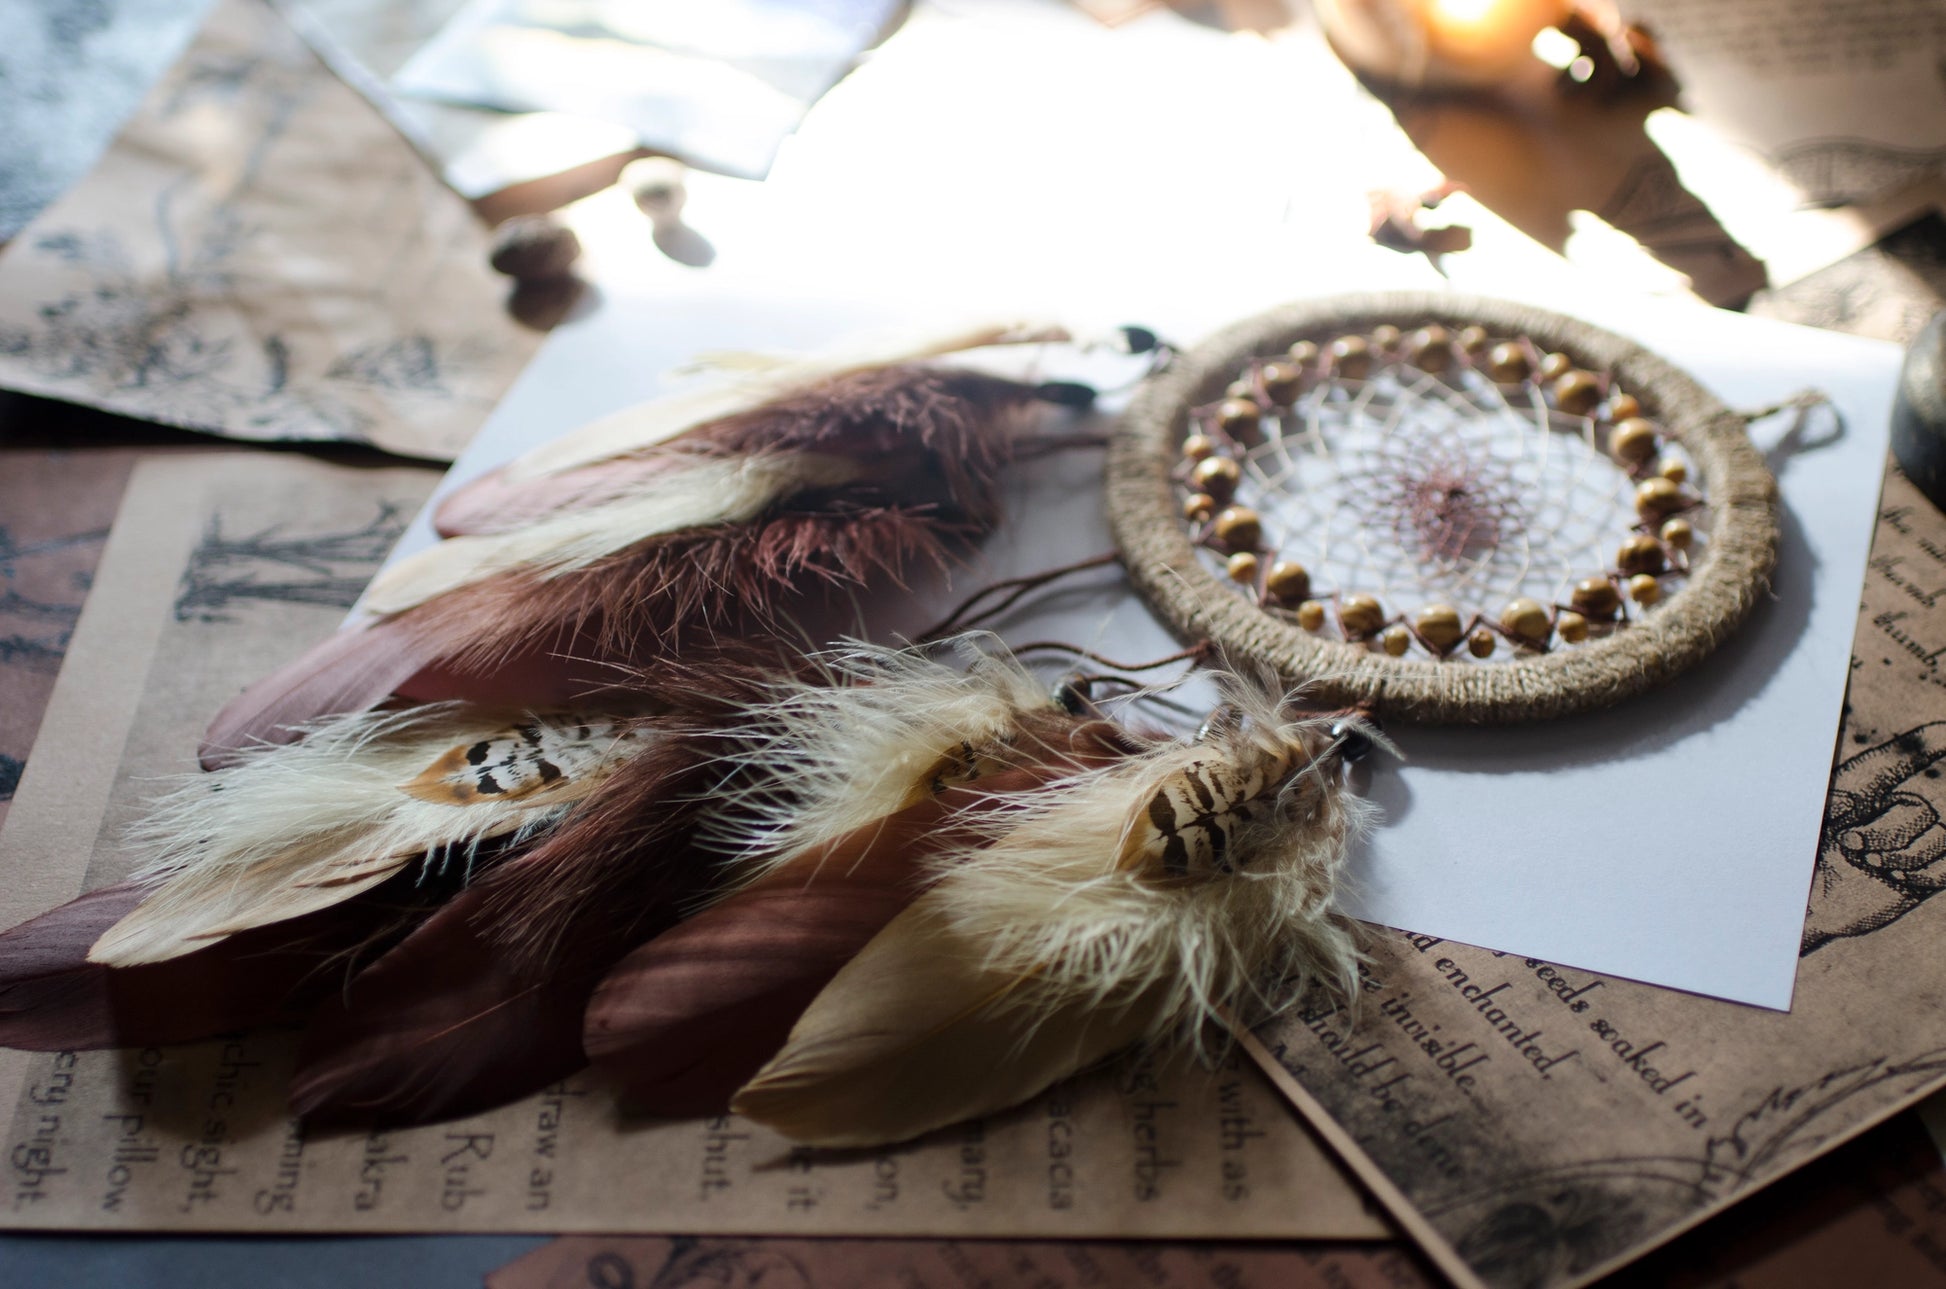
(1136,878)
(916,1032)
(875,731)
(757,381)
(714,490)
(293,829)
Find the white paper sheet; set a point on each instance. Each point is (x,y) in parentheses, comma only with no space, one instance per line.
(719,84)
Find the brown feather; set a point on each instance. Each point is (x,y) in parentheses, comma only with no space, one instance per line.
(934,440)
(680,593)
(483,1003)
(355,669)
(439,1027)
(685,1019)
(53,999)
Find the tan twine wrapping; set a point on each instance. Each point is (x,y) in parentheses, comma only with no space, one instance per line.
(1199,604)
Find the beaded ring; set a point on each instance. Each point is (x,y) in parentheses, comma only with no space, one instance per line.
(1455,508)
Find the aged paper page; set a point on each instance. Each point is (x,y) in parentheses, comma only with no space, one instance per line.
(1533,1125)
(259,255)
(1843,97)
(218,569)
(55,510)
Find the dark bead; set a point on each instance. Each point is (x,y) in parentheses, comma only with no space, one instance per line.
(1430,349)
(1217,477)
(1577,392)
(1240,418)
(1351,357)
(1282,381)
(1508,363)
(1075,696)
(1140,340)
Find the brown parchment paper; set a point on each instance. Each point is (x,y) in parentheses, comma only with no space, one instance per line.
(1535,1126)
(259,255)
(218,569)
(55,510)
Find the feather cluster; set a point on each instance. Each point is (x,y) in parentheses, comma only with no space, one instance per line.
(668,528)
(857,902)
(1120,889)
(857,897)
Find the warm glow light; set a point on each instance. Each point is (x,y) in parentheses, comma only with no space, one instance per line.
(1464,12)
(1438,42)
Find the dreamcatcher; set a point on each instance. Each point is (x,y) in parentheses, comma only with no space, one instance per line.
(866,892)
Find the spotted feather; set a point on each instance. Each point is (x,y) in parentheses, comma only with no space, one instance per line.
(541,758)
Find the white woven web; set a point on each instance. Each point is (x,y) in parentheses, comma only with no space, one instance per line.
(1419,489)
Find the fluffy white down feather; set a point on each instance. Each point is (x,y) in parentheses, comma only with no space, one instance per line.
(859,745)
(293,829)
(1048,901)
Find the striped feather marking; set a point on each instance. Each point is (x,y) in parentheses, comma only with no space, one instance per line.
(540,757)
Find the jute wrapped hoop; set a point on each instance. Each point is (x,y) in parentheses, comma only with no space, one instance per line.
(1723,585)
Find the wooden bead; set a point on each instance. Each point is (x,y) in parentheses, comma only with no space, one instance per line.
(1238,415)
(1395,640)
(1473,340)
(1526,619)
(1351,357)
(1641,554)
(1632,441)
(1508,364)
(1678,534)
(1656,497)
(1577,392)
(1385,336)
(1289,582)
(1240,418)
(1672,469)
(1242,567)
(1555,366)
(1595,597)
(1198,446)
(1304,353)
(1198,506)
(1310,615)
(1622,407)
(1481,643)
(1240,389)
(1283,382)
(1571,627)
(1217,476)
(1439,626)
(1430,349)
(1644,589)
(1360,615)
(1239,529)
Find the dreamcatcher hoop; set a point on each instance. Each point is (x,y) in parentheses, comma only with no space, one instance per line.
(1198,604)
